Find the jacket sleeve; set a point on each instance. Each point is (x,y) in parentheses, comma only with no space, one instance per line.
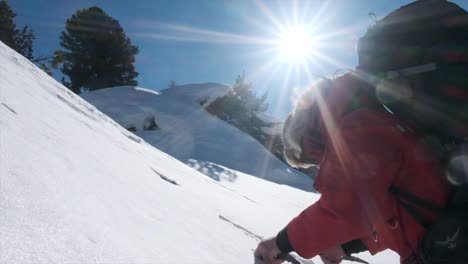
(324,225)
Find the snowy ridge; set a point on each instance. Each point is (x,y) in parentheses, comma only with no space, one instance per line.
(75,187)
(190,134)
(200,92)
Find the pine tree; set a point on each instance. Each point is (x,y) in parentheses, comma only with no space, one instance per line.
(47,63)
(244,110)
(242,88)
(19,40)
(24,42)
(249,101)
(98,54)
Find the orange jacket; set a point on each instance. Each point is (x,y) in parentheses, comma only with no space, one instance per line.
(367,150)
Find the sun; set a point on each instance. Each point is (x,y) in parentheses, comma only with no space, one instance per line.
(295,44)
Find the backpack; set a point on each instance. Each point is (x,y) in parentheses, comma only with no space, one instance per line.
(420,52)
(417,60)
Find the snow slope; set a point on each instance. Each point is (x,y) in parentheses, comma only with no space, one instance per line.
(75,187)
(190,134)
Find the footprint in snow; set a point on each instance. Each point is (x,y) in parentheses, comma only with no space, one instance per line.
(9,108)
(165,178)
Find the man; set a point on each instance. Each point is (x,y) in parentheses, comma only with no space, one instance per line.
(362,150)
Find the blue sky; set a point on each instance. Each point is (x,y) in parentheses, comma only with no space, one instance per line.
(193,41)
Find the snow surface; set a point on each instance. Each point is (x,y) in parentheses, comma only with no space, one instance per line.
(192,135)
(75,187)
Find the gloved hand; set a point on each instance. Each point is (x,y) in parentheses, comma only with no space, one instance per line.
(268,251)
(333,255)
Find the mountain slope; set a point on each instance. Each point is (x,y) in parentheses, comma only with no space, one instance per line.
(189,133)
(75,187)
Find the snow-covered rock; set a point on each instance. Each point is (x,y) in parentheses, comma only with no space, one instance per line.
(188,132)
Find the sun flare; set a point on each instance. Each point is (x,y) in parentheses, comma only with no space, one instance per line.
(295,44)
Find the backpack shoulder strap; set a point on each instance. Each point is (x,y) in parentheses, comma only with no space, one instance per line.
(409,201)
